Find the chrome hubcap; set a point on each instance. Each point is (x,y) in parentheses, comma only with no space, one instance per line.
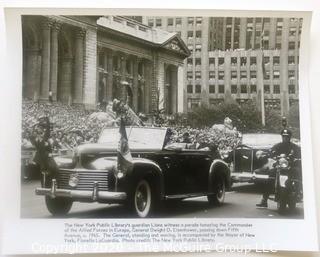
(220,189)
(141,197)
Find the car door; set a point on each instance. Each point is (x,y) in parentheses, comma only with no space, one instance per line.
(242,169)
(195,167)
(171,164)
(184,172)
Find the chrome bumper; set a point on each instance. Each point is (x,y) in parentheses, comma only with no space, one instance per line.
(248,176)
(94,195)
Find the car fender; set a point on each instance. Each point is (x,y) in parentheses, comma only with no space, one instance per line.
(145,167)
(219,166)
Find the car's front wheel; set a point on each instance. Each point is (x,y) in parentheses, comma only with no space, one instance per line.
(58,206)
(219,191)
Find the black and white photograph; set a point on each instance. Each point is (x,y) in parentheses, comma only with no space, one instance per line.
(161,117)
(159,128)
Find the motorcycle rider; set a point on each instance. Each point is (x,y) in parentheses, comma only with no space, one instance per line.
(285,147)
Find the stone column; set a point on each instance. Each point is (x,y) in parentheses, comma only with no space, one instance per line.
(156,85)
(110,76)
(181,91)
(31,76)
(136,61)
(65,82)
(54,60)
(105,70)
(100,83)
(148,76)
(78,66)
(45,65)
(89,97)
(167,84)
(174,90)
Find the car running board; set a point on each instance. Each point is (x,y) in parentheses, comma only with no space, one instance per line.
(182,196)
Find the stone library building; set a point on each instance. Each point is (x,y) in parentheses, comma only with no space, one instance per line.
(87,60)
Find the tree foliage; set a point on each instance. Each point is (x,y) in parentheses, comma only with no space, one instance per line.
(245,118)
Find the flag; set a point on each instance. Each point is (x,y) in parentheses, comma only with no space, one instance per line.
(262,48)
(263,121)
(124,154)
(120,108)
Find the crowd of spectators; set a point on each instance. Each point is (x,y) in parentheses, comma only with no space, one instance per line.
(219,137)
(69,125)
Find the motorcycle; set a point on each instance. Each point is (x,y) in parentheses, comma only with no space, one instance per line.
(288,183)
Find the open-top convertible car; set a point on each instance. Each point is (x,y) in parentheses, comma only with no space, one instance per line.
(159,171)
(244,157)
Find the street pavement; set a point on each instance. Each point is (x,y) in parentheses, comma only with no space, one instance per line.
(240,202)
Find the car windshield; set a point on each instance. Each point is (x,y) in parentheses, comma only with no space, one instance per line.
(264,140)
(260,140)
(138,137)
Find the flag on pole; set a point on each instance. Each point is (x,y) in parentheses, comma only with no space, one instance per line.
(124,154)
(263,73)
(262,48)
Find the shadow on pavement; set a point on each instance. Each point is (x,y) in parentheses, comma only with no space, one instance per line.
(247,188)
(169,210)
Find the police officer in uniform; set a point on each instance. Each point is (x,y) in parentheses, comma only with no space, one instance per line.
(285,147)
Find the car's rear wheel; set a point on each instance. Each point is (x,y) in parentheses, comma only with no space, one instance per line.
(219,189)
(142,199)
(58,206)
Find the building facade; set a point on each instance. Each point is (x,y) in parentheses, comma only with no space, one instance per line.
(238,59)
(93,59)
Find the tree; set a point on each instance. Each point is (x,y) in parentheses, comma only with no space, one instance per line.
(294,120)
(245,117)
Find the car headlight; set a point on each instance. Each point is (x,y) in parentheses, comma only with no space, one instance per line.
(103,164)
(63,162)
(283,163)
